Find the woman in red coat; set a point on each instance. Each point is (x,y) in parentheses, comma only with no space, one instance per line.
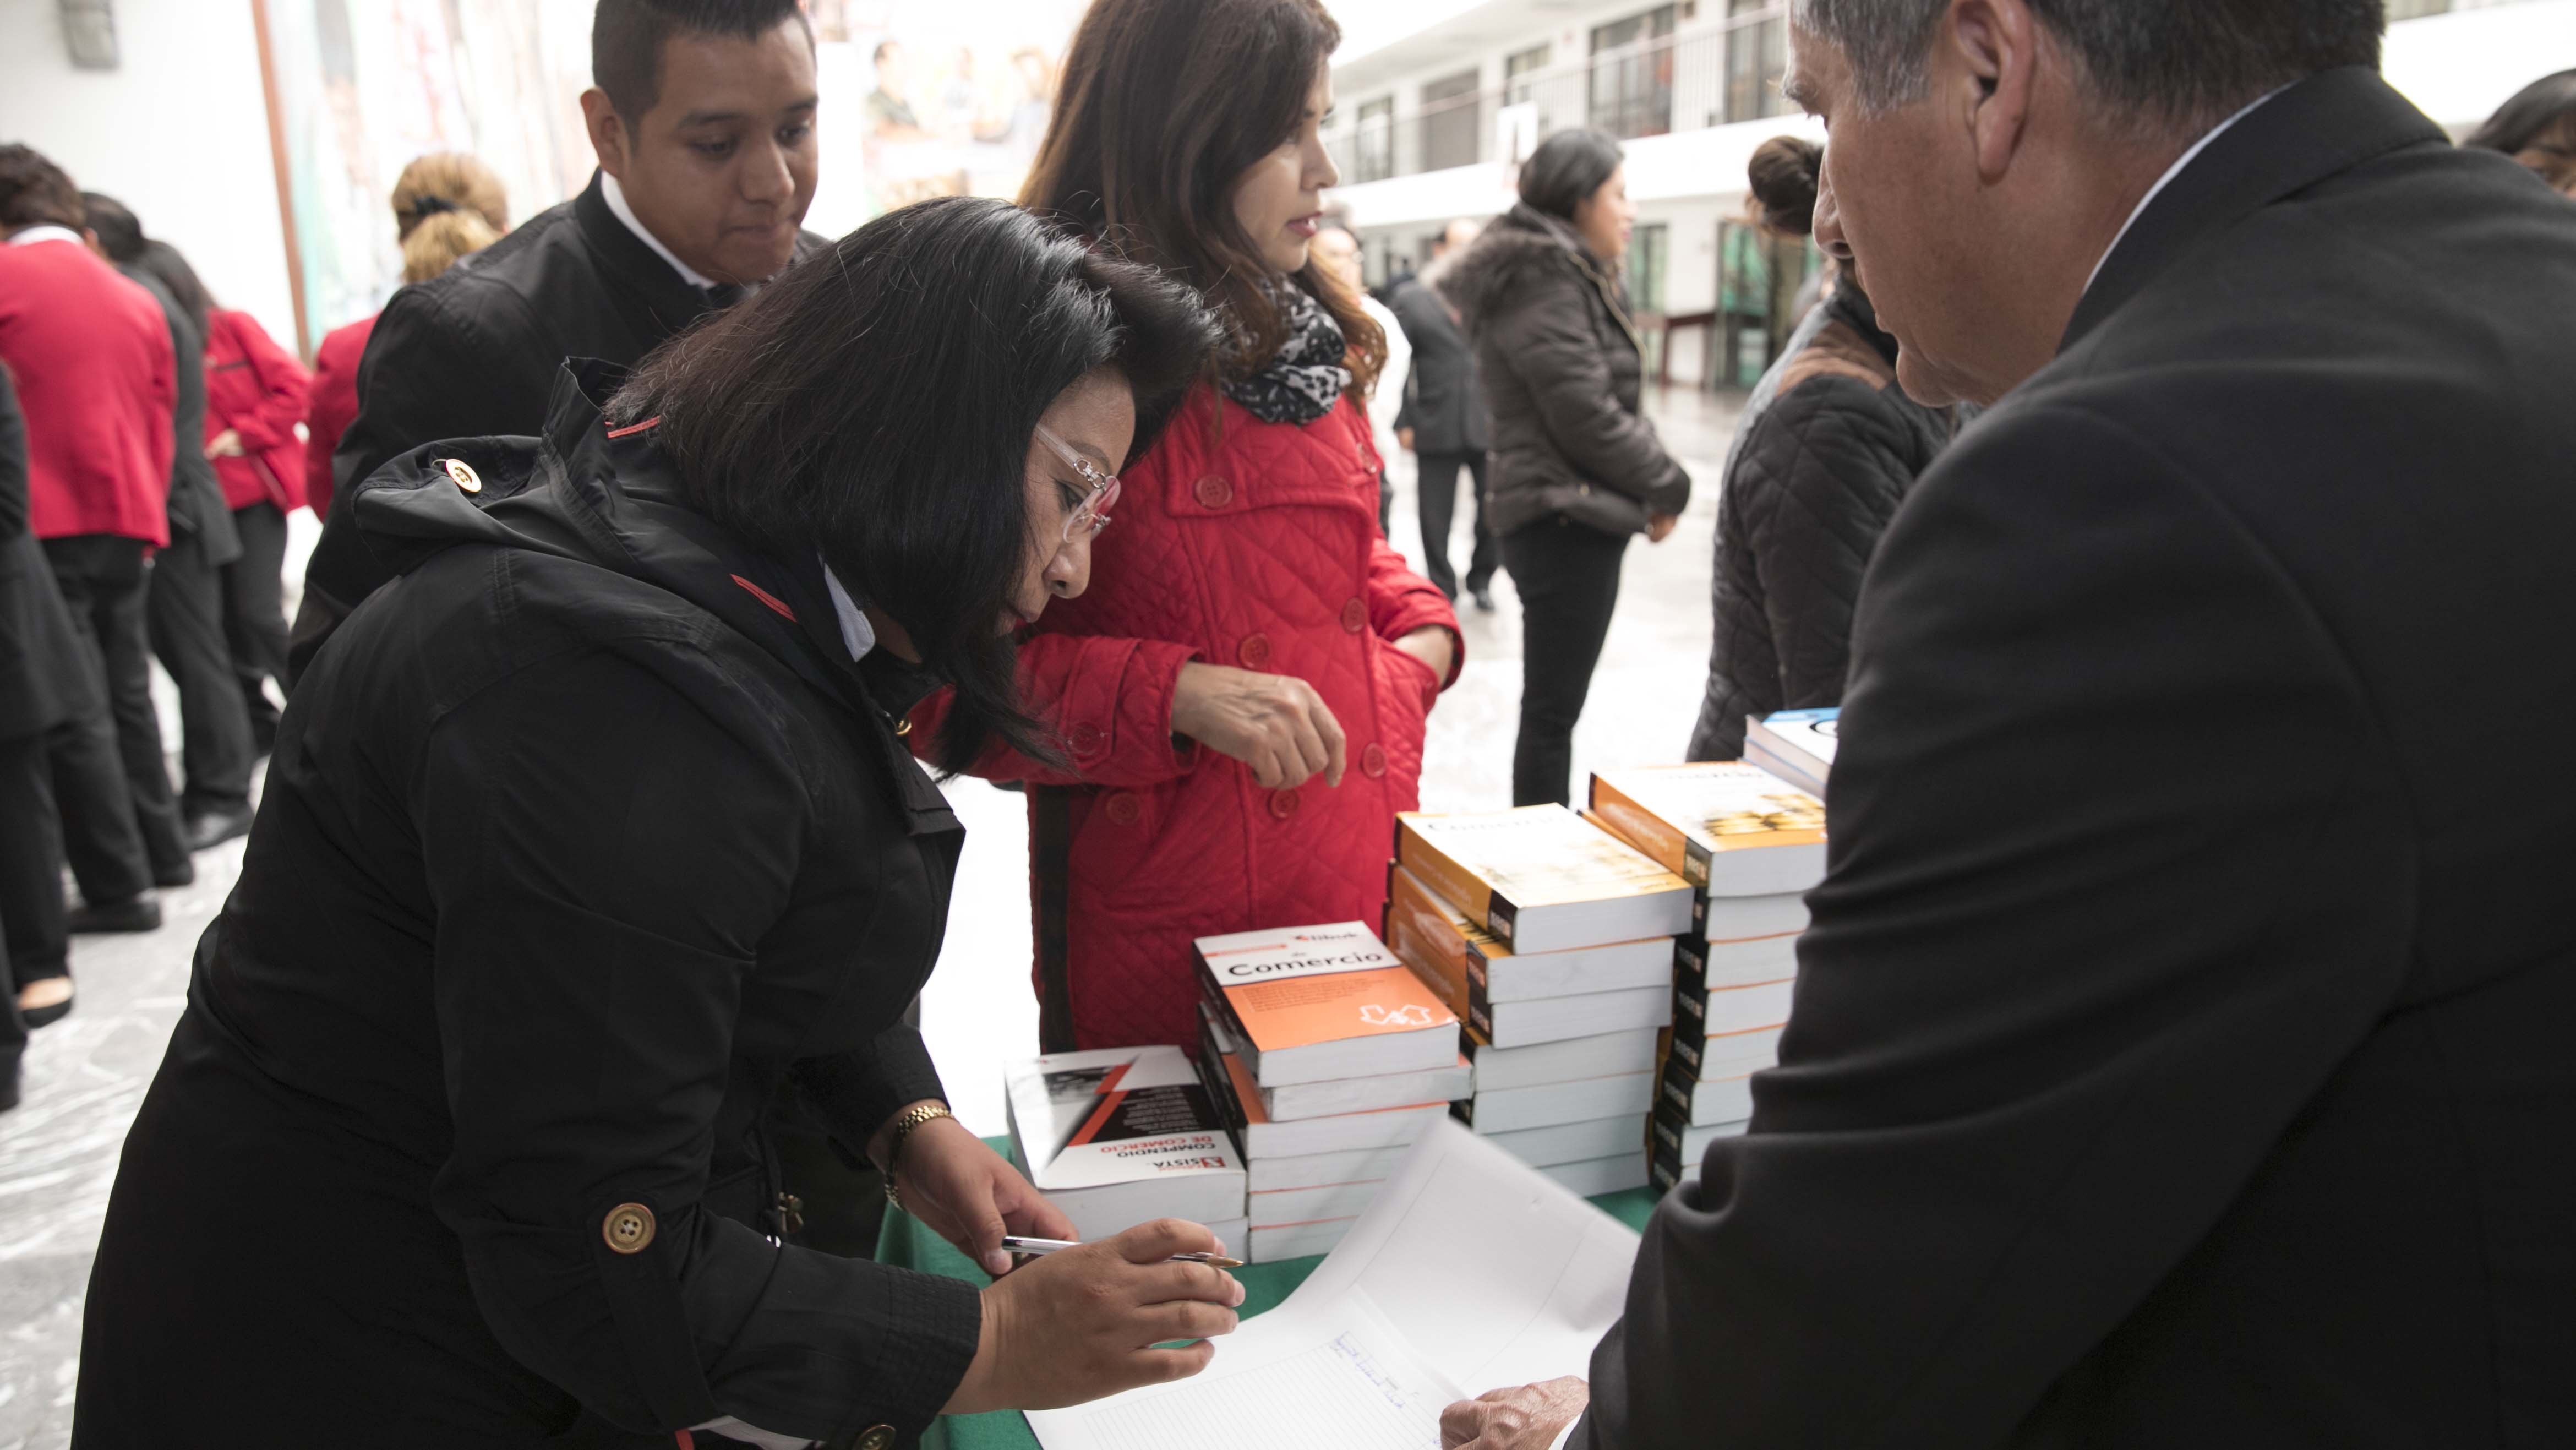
(255,394)
(1241,696)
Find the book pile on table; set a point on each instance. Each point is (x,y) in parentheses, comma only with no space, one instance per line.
(1795,745)
(1122,1135)
(1553,940)
(1750,845)
(1326,1058)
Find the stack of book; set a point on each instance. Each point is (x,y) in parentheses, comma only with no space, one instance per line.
(1327,1058)
(1122,1135)
(1795,745)
(1750,845)
(1554,941)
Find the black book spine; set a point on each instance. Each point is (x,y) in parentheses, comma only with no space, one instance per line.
(1480,1004)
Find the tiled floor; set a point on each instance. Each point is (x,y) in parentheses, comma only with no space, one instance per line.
(86,1075)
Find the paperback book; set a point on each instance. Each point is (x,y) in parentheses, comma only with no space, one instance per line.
(1258,1137)
(1795,745)
(1726,827)
(1313,1003)
(1515,1000)
(1542,879)
(1120,1135)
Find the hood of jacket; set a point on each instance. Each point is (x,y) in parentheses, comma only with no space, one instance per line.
(609,498)
(1519,249)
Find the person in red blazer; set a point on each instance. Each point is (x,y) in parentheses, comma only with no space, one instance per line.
(255,394)
(98,380)
(447,206)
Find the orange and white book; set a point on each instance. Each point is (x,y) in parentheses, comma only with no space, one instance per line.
(1542,879)
(1727,828)
(1510,999)
(1261,1138)
(1309,1004)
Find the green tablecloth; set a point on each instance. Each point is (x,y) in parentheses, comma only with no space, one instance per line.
(906,1242)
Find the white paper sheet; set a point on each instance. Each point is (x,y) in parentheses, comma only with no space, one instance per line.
(1471,1272)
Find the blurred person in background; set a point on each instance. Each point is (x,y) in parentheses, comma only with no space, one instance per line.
(45,684)
(1250,637)
(1825,450)
(447,206)
(702,115)
(1577,469)
(589,837)
(1443,421)
(97,381)
(2537,128)
(217,754)
(1337,250)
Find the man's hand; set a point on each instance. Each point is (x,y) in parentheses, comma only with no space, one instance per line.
(1434,646)
(1084,1322)
(1276,724)
(1528,1418)
(226,444)
(970,1195)
(1404,439)
(1660,527)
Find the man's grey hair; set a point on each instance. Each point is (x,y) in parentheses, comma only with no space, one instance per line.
(2157,63)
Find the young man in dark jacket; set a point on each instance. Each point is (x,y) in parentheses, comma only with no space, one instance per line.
(1444,420)
(706,166)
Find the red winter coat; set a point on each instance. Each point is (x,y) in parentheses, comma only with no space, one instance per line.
(97,381)
(257,389)
(333,406)
(1259,550)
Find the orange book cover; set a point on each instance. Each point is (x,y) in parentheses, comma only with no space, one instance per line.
(1315,984)
(1687,817)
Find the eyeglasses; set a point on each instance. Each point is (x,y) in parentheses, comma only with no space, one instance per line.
(1091,515)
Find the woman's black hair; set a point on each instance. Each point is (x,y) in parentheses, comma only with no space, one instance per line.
(2544,111)
(877,401)
(172,271)
(1786,173)
(1566,169)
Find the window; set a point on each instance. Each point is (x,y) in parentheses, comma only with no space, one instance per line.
(1632,74)
(1759,277)
(1519,68)
(1647,249)
(1757,59)
(1374,159)
(1451,119)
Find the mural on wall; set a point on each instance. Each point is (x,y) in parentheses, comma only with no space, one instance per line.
(920,98)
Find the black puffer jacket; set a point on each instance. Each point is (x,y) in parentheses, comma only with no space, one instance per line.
(1562,369)
(1812,484)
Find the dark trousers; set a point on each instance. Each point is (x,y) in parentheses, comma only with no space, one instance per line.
(187,615)
(104,581)
(1436,497)
(1568,579)
(255,614)
(102,840)
(31,870)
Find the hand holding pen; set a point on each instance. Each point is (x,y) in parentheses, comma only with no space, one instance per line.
(1090,1319)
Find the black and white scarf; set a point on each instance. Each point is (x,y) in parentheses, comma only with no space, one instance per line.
(1303,382)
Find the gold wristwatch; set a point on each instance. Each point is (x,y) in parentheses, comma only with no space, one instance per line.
(912,1118)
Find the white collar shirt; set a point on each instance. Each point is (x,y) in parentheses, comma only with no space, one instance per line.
(2185,160)
(47,233)
(615,196)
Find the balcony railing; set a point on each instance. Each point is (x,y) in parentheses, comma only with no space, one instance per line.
(1652,87)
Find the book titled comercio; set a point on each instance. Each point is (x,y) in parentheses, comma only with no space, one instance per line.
(1727,828)
(1542,879)
(1310,1004)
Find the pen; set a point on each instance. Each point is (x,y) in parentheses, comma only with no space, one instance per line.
(1013,1244)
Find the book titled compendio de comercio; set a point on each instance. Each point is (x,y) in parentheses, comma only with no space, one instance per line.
(1314,1003)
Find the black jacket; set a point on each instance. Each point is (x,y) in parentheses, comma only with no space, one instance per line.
(574,846)
(1813,481)
(475,352)
(2180,1053)
(1443,403)
(1562,369)
(46,677)
(197,507)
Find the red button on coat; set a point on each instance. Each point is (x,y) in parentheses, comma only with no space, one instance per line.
(1213,492)
(1123,809)
(1373,762)
(1254,651)
(1283,803)
(1087,738)
(1355,616)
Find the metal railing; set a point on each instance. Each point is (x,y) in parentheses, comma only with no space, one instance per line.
(1652,87)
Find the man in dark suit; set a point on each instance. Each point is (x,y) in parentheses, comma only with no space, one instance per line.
(1444,422)
(2180,1054)
(707,163)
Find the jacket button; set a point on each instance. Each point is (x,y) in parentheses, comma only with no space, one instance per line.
(1213,492)
(1255,651)
(1283,804)
(1123,809)
(878,1437)
(463,475)
(1087,738)
(628,1228)
(1373,762)
(1355,616)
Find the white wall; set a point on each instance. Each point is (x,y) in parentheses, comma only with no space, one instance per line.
(179,132)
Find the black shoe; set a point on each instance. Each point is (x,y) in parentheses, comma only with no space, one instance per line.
(208,829)
(1483,595)
(183,874)
(36,1017)
(135,913)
